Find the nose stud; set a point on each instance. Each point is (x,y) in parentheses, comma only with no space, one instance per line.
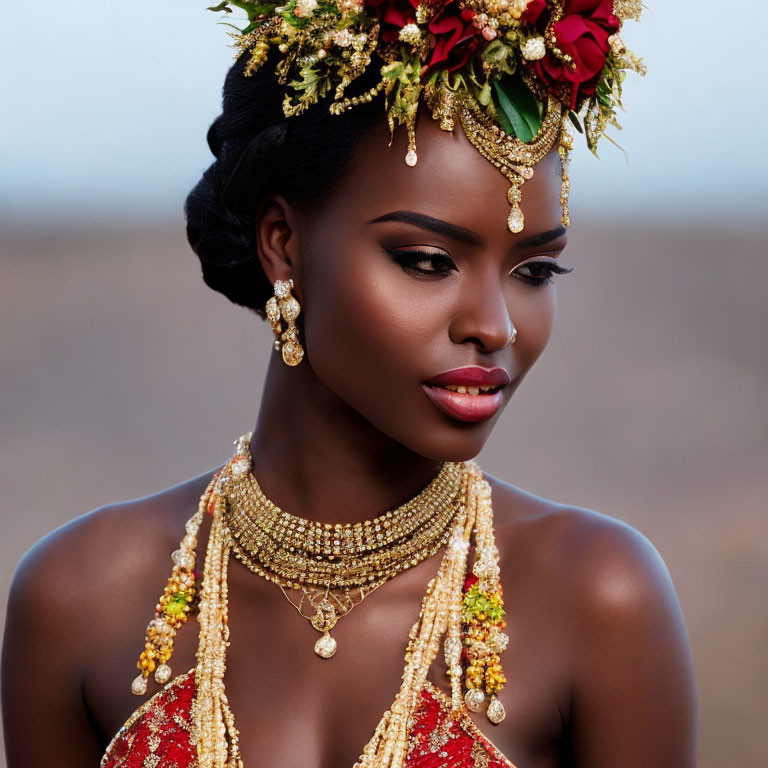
(512,336)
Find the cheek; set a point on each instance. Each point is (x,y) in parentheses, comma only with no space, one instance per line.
(533,314)
(365,328)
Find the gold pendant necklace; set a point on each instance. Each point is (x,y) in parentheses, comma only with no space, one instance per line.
(335,567)
(328,606)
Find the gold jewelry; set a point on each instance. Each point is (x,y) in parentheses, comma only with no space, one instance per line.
(463,616)
(514,158)
(284,304)
(322,559)
(482,614)
(564,147)
(329,606)
(441,613)
(172,610)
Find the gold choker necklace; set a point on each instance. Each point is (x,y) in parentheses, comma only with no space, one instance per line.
(334,566)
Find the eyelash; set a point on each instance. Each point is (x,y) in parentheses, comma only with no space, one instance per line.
(408,260)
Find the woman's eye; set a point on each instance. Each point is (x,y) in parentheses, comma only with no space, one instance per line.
(424,262)
(539,272)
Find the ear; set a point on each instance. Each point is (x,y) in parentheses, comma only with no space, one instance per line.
(277,239)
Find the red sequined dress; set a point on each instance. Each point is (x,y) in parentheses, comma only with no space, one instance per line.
(158,734)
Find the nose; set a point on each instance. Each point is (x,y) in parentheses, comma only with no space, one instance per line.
(482,316)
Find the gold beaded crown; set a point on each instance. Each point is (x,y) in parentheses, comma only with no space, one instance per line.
(513,73)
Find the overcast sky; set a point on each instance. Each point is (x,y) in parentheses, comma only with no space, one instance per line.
(105,108)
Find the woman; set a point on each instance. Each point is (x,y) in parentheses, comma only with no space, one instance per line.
(409,300)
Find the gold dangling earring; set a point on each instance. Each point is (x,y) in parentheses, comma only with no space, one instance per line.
(283,303)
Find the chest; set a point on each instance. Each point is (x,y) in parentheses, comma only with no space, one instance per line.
(294,708)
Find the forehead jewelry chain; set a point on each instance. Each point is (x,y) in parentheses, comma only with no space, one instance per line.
(514,158)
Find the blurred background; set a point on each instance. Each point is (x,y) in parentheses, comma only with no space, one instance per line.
(122,374)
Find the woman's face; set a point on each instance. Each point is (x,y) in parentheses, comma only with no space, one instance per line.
(411,272)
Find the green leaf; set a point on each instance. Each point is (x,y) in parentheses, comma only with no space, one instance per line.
(484,96)
(251,7)
(501,116)
(220,7)
(393,70)
(255,9)
(514,100)
(231,26)
(574,118)
(495,51)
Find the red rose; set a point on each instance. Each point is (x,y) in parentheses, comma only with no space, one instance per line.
(533,11)
(393,15)
(453,39)
(582,32)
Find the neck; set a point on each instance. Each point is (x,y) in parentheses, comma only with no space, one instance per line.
(314,456)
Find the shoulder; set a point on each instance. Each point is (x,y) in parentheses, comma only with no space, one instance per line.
(92,554)
(76,599)
(602,589)
(604,565)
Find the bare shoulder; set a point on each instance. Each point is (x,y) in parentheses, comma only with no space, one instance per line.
(91,554)
(78,603)
(608,564)
(600,591)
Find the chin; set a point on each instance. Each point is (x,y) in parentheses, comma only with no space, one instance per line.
(452,441)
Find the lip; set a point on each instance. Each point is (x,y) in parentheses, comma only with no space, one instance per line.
(466,407)
(471,376)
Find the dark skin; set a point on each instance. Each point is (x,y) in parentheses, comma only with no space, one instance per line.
(598,664)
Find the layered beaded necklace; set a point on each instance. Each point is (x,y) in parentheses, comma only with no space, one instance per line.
(336,566)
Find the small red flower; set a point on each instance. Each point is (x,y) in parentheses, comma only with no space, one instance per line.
(453,38)
(582,33)
(393,15)
(470,581)
(533,12)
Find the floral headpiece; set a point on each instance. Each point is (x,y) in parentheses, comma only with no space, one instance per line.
(514,73)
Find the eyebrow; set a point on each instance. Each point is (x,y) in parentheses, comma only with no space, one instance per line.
(542,237)
(434,225)
(461,233)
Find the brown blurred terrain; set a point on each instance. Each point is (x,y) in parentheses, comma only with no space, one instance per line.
(122,374)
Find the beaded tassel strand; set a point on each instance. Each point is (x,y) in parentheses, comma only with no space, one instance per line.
(388,747)
(216,736)
(173,608)
(482,614)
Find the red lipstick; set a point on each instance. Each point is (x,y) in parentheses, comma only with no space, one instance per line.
(473,404)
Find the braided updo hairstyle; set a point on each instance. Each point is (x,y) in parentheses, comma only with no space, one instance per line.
(260,151)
